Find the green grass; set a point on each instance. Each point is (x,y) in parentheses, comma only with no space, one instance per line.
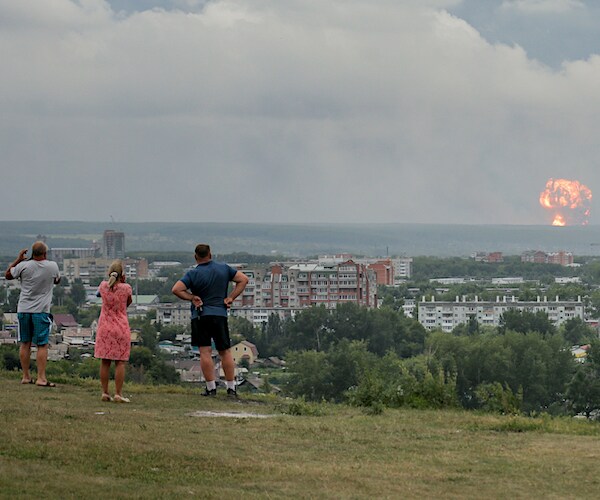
(66,443)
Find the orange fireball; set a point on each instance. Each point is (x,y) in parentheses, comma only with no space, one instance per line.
(568,200)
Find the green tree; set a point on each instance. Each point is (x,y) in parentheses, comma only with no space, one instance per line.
(496,398)
(309,330)
(13,299)
(140,356)
(583,391)
(392,297)
(309,374)
(541,366)
(170,332)
(347,361)
(576,331)
(526,321)
(87,316)
(58,295)
(149,336)
(162,373)
(77,292)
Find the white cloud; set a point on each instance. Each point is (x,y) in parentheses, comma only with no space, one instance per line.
(283,111)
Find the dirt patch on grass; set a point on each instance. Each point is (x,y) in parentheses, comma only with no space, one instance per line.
(228,414)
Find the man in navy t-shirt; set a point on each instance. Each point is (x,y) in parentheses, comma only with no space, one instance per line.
(206,287)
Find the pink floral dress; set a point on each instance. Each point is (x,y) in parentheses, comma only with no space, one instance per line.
(113,336)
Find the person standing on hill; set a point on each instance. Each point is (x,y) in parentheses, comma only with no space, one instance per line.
(38,276)
(206,287)
(113,336)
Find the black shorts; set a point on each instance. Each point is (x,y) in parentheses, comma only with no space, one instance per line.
(208,328)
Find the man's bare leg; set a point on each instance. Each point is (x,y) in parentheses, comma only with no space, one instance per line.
(206,363)
(228,365)
(25,356)
(41,360)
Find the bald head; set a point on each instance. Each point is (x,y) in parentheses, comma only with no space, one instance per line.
(39,250)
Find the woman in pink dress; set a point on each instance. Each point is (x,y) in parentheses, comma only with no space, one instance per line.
(113,336)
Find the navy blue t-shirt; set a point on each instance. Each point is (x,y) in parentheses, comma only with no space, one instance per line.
(210,281)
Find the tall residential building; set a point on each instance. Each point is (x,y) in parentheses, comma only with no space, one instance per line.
(113,244)
(300,285)
(402,268)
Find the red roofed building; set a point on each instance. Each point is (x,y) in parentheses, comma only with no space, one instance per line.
(62,321)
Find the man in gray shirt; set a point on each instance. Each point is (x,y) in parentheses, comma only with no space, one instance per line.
(38,276)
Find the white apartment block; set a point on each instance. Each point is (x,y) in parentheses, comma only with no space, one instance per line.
(402,268)
(89,269)
(260,316)
(447,315)
(177,313)
(86,268)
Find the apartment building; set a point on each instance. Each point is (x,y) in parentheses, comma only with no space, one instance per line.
(300,285)
(178,313)
(89,269)
(59,254)
(447,315)
(538,257)
(113,244)
(260,316)
(488,257)
(402,269)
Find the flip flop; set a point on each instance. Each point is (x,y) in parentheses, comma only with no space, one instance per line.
(47,384)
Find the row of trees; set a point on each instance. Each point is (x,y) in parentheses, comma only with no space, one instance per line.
(379,357)
(318,329)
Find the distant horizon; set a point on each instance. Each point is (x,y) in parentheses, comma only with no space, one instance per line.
(304,238)
(116,222)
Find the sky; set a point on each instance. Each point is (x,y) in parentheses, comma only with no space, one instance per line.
(296,111)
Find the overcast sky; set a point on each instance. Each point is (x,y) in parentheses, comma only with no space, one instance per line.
(427,111)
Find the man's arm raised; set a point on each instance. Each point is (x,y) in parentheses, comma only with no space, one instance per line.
(20,258)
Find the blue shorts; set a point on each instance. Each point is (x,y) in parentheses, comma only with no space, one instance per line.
(34,327)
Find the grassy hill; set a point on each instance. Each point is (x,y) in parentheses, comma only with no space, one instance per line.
(66,443)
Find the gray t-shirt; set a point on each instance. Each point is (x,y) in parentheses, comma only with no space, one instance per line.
(37,280)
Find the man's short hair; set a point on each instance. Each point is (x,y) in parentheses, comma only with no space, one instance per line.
(202,251)
(38,249)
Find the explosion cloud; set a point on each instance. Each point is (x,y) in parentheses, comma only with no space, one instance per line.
(568,201)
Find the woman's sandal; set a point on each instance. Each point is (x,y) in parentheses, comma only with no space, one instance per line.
(106,397)
(120,399)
